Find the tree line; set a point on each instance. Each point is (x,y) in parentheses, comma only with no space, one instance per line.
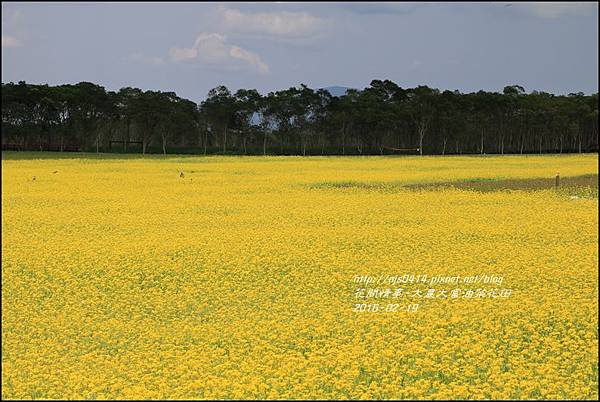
(380,119)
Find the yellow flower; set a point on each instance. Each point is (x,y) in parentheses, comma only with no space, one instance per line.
(120,280)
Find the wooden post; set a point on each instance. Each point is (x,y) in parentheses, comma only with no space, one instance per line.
(557,182)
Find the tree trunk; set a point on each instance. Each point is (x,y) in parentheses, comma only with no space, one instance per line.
(344,138)
(522,142)
(482,133)
(561,144)
(422,129)
(205,140)
(281,145)
(126,143)
(265,144)
(444,149)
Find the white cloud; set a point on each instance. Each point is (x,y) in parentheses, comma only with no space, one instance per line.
(248,57)
(10,41)
(11,21)
(558,9)
(381,8)
(280,24)
(213,49)
(141,58)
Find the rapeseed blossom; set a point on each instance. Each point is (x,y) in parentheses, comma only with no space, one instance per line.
(122,278)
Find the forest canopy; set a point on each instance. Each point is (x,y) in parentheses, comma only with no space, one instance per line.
(383,118)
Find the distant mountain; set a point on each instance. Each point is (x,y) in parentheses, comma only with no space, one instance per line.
(337,90)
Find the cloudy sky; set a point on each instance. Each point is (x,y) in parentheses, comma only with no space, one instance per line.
(192,47)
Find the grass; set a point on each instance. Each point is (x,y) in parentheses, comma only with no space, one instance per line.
(583,185)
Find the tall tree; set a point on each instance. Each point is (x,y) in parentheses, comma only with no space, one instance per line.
(220,107)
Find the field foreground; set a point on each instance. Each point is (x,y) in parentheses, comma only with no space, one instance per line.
(253,277)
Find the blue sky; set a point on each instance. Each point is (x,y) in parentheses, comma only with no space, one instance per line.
(190,48)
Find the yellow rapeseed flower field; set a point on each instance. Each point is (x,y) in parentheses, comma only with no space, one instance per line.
(122,279)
